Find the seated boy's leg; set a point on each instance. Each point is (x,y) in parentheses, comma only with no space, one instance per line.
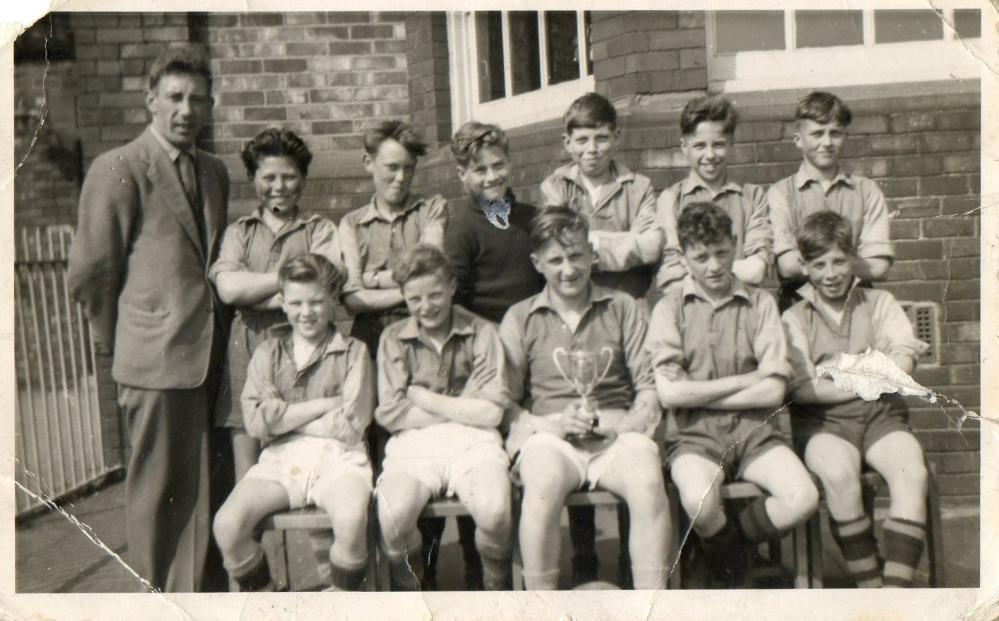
(898,457)
(548,475)
(792,495)
(401,499)
(250,502)
(633,471)
(837,464)
(698,480)
(485,491)
(345,496)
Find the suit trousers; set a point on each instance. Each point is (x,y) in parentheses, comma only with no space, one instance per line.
(167,493)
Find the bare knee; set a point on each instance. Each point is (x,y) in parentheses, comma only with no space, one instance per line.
(230,527)
(799,500)
(646,494)
(491,510)
(838,478)
(701,507)
(911,480)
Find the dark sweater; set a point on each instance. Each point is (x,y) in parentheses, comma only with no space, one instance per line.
(493,265)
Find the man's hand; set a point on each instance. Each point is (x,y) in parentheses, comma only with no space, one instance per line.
(576,419)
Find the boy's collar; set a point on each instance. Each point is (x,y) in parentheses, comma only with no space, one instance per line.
(461,323)
(618,173)
(301,217)
(334,342)
(689,286)
(693,181)
(596,293)
(371,211)
(806,175)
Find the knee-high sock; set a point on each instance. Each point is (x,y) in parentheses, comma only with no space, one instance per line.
(252,573)
(406,567)
(347,574)
(756,523)
(496,567)
(904,542)
(856,540)
(319,541)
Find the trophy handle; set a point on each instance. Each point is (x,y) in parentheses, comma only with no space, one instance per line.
(555,353)
(610,361)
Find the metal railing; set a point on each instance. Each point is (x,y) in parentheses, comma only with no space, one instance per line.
(59,442)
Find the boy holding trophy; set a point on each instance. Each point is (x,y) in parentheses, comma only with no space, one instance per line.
(574,356)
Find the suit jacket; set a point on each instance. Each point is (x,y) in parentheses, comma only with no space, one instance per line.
(139,269)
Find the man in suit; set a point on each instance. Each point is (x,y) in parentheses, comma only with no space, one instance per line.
(151,219)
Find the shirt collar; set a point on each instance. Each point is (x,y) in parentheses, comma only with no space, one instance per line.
(691,288)
(371,212)
(693,182)
(172,150)
(619,173)
(299,220)
(461,323)
(810,295)
(334,343)
(804,176)
(544,299)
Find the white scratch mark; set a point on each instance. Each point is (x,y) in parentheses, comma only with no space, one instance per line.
(43,112)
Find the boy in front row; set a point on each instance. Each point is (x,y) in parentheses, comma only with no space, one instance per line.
(442,392)
(720,360)
(308,397)
(821,184)
(575,315)
(835,429)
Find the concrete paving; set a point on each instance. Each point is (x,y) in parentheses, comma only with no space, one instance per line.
(54,556)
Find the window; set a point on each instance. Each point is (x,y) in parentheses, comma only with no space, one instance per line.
(515,67)
(759,50)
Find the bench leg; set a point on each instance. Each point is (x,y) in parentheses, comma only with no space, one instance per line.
(813,538)
(282,578)
(801,560)
(934,532)
(673,564)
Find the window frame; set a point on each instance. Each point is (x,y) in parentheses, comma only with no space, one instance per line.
(947,58)
(545,103)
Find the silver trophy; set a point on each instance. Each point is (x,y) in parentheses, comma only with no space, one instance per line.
(584,370)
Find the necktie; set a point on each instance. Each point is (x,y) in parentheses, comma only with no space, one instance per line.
(185,164)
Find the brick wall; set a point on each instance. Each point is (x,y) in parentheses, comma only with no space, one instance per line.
(46,188)
(639,52)
(326,76)
(429,80)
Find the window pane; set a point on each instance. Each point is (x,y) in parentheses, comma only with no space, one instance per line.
(968,23)
(525,57)
(893,26)
(563,46)
(828,28)
(740,31)
(489,33)
(587,25)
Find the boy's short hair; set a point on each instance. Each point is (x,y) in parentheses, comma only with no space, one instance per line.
(703,223)
(276,143)
(823,230)
(400,131)
(589,111)
(558,223)
(420,260)
(189,59)
(312,268)
(472,137)
(701,109)
(823,107)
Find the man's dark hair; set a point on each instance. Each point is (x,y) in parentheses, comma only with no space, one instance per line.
(189,59)
(589,111)
(701,109)
(312,268)
(420,260)
(703,223)
(276,143)
(472,137)
(560,223)
(823,107)
(400,131)
(823,230)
